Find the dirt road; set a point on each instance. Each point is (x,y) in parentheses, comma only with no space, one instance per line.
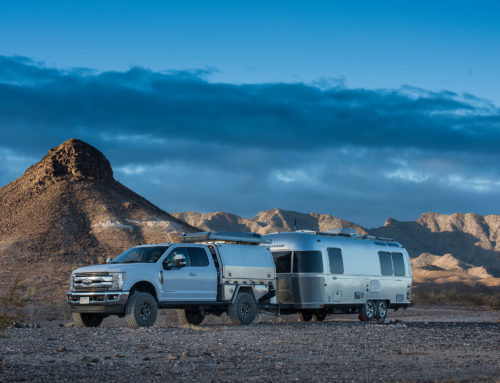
(429,344)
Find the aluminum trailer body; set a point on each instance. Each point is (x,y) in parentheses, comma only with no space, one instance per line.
(339,272)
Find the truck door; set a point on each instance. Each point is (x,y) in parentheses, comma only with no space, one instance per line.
(196,281)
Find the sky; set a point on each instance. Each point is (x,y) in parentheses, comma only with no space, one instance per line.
(363,110)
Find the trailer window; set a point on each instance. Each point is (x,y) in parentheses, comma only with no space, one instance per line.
(307,262)
(336,261)
(399,264)
(283,261)
(198,256)
(385,262)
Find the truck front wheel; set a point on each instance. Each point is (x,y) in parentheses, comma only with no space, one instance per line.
(87,320)
(243,310)
(141,310)
(190,316)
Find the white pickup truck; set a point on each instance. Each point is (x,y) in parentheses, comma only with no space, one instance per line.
(208,273)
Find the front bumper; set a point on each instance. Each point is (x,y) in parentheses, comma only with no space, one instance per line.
(109,302)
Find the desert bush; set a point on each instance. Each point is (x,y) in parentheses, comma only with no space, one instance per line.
(11,303)
(485,297)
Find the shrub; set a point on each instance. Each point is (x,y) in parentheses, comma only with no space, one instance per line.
(10,305)
(446,294)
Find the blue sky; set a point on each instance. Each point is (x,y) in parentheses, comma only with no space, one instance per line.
(362,110)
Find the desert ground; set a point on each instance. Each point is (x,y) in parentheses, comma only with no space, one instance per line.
(421,344)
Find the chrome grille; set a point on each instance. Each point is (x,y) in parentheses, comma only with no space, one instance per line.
(92,281)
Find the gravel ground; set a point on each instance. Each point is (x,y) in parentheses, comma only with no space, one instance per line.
(423,344)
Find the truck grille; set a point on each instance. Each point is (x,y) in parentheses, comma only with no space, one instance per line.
(92,281)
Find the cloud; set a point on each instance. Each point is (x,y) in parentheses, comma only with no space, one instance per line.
(187,143)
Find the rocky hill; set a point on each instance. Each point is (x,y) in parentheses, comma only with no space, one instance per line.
(267,221)
(68,210)
(456,248)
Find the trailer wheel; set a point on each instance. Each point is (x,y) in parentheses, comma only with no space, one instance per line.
(319,316)
(190,316)
(305,316)
(141,310)
(381,310)
(87,320)
(367,311)
(243,310)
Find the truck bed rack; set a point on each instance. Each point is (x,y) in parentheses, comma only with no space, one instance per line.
(222,236)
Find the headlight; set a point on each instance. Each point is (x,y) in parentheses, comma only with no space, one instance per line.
(118,279)
(71,281)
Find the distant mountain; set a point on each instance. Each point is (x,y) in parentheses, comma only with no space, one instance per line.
(471,238)
(267,221)
(468,239)
(68,210)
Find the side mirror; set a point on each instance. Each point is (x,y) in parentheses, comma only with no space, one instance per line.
(178,262)
(109,260)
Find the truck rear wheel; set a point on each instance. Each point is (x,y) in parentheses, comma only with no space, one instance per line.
(190,316)
(87,320)
(243,310)
(141,310)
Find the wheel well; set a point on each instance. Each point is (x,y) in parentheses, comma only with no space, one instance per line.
(144,287)
(246,289)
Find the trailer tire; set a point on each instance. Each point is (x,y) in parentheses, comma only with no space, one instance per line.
(305,316)
(381,310)
(367,311)
(141,310)
(243,310)
(319,316)
(87,320)
(190,316)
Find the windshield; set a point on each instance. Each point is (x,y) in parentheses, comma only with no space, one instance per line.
(141,255)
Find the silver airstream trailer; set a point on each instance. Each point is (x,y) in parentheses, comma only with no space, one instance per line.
(339,271)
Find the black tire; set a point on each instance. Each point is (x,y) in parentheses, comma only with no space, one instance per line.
(367,311)
(87,320)
(305,316)
(381,310)
(190,316)
(319,316)
(141,310)
(243,310)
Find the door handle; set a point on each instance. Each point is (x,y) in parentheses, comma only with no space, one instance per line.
(192,274)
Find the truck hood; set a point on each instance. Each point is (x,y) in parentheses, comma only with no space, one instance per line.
(109,267)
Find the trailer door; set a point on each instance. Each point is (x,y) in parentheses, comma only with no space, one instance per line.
(336,268)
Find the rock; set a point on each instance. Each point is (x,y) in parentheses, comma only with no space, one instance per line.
(172,357)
